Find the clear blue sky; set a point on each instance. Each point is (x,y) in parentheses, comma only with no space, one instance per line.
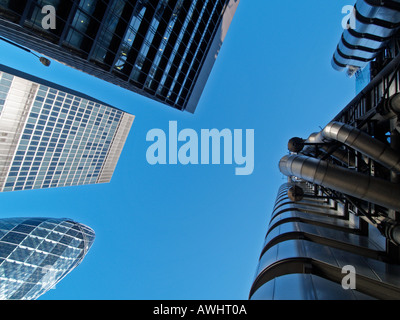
(196,231)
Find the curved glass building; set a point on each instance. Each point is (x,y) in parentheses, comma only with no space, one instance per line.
(36,253)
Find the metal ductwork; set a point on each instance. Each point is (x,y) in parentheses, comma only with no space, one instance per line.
(295,193)
(391,230)
(316,139)
(359,141)
(376,21)
(350,182)
(364,143)
(394,104)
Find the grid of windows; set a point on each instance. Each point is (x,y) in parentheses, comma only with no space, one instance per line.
(65,142)
(5,84)
(157,47)
(64,139)
(36,253)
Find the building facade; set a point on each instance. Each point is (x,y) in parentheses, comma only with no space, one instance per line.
(51,136)
(336,221)
(164,50)
(36,253)
(314,241)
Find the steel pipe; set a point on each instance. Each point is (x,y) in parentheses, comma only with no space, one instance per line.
(358,140)
(350,182)
(364,143)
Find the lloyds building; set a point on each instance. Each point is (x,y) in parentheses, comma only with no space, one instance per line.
(340,207)
(162,49)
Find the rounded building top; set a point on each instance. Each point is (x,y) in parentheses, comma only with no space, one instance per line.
(36,253)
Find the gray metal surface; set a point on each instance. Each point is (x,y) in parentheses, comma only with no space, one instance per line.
(375,24)
(350,182)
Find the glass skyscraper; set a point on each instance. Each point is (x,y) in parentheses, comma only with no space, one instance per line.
(36,253)
(51,136)
(162,49)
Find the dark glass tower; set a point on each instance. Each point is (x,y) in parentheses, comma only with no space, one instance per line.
(36,253)
(163,49)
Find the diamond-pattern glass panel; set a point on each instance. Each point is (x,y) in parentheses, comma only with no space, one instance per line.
(36,253)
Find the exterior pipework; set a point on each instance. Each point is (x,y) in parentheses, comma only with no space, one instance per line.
(375,24)
(364,143)
(338,154)
(394,104)
(343,180)
(359,141)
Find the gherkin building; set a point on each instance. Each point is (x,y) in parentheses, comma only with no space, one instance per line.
(36,253)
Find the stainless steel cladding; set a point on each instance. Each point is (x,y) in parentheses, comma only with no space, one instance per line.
(375,24)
